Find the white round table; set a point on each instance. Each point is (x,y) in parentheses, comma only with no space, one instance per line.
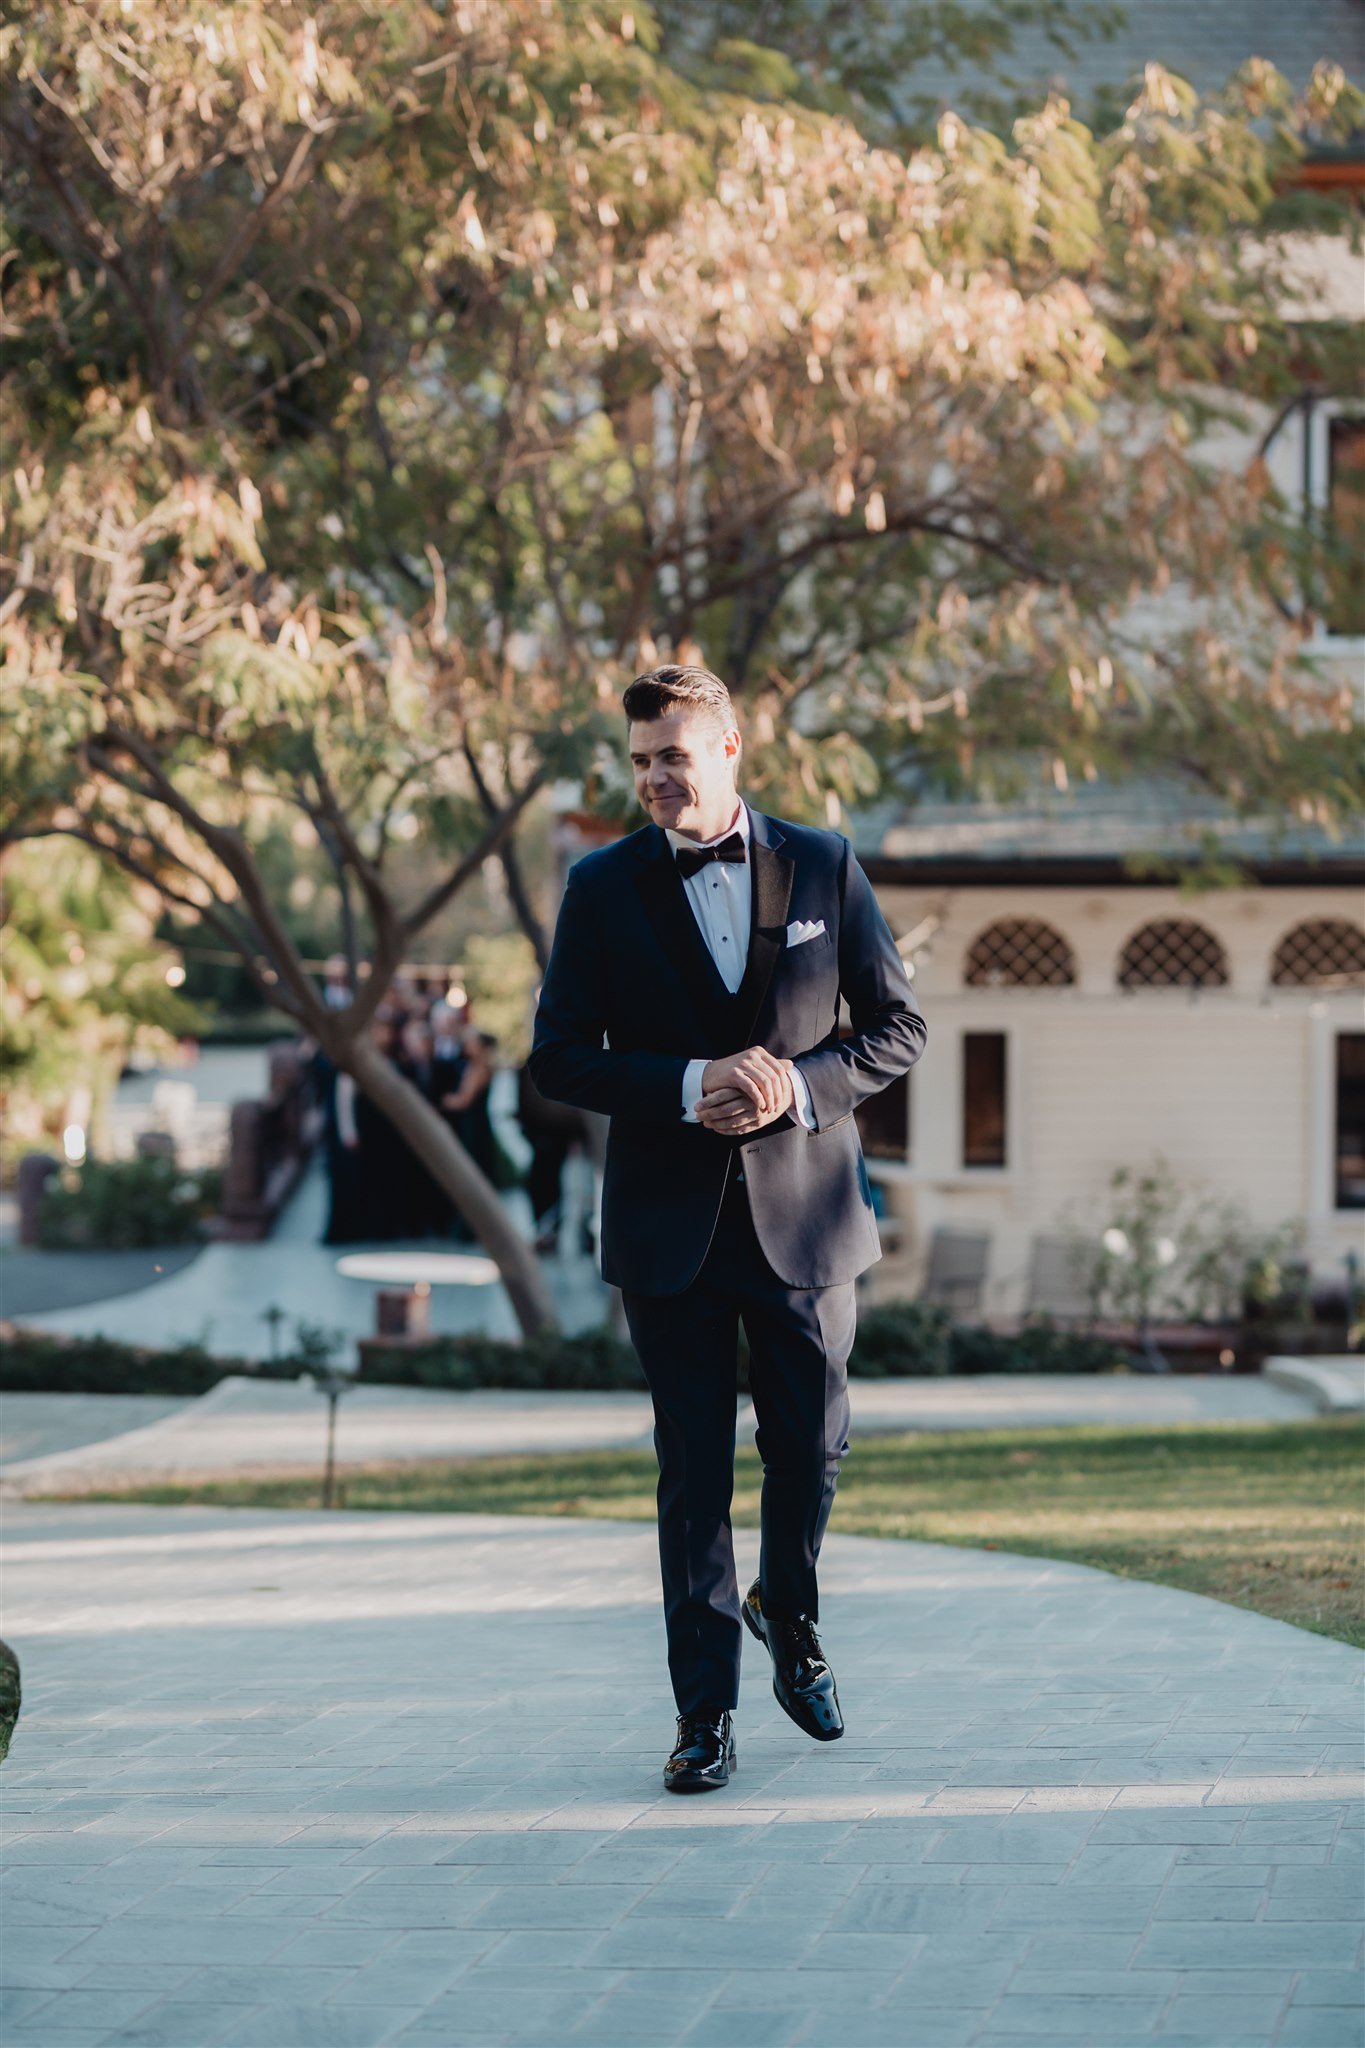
(419,1269)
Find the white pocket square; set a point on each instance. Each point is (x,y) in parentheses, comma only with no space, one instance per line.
(798,931)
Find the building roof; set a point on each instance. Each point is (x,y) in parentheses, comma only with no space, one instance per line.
(949,871)
(1098,832)
(1203,41)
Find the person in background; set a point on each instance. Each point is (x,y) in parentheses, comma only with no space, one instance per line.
(382,1162)
(428,1208)
(457,1074)
(553,1130)
(336,985)
(465,1102)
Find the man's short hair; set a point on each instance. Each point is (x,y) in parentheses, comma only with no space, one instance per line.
(670,688)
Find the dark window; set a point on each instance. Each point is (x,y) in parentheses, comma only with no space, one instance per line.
(884,1121)
(1350,1120)
(1346,521)
(983,1098)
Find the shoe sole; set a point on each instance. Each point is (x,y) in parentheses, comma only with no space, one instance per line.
(831,1735)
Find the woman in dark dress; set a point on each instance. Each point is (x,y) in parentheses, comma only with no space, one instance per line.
(427,1207)
(346,1207)
(380,1160)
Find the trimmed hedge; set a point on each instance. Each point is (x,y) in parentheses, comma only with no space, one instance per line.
(595,1361)
(913,1339)
(900,1340)
(33,1363)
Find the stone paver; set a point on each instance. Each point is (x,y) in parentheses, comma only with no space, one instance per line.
(254,1425)
(363,1779)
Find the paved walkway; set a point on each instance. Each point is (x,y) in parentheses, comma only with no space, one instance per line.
(32,1282)
(263,1425)
(309,1781)
(35,1425)
(1337,1384)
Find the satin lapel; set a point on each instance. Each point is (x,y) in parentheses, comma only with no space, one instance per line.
(678,933)
(773,872)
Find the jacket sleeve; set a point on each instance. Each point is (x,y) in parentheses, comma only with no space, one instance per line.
(888,1031)
(569,1061)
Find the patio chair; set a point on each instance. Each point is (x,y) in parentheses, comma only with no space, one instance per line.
(1056,1282)
(958,1260)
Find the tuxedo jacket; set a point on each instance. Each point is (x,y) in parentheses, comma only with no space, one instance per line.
(631,995)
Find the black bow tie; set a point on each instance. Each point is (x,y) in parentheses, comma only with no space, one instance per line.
(691,859)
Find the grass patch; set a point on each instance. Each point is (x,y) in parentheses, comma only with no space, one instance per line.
(1266,1516)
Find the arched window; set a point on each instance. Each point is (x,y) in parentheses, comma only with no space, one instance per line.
(1020,952)
(1323,952)
(1173,952)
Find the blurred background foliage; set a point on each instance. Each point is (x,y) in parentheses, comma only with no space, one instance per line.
(383,388)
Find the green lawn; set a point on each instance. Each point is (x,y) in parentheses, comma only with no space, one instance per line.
(1269,1516)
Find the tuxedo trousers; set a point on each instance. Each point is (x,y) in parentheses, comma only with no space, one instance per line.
(799,1342)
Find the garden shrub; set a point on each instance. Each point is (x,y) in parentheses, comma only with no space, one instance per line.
(897,1340)
(1038,1345)
(902,1339)
(124,1204)
(32,1363)
(592,1361)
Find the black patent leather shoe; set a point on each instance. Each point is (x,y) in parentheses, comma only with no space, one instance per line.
(803,1684)
(703,1755)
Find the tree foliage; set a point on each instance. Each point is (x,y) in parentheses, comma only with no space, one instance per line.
(386,385)
(83,983)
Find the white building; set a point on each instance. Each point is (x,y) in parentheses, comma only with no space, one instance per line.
(1082,1019)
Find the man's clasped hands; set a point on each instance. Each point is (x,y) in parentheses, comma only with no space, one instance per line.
(745,1091)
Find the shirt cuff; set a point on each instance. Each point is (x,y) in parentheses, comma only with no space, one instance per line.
(694,1073)
(802,1108)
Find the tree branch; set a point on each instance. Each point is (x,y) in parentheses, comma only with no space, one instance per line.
(499,830)
(231,849)
(511,866)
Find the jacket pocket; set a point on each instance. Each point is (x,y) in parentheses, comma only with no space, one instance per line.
(809,950)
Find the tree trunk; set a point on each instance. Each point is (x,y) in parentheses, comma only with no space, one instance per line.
(441,1152)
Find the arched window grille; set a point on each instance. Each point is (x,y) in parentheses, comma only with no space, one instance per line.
(1020,952)
(1322,952)
(1173,952)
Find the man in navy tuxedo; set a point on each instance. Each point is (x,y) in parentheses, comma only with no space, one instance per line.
(693,995)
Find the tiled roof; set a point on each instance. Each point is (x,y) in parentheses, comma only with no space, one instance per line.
(1095,821)
(1201,40)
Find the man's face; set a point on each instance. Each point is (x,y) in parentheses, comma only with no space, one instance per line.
(685,772)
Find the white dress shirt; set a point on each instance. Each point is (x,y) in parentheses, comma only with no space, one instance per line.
(720,895)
